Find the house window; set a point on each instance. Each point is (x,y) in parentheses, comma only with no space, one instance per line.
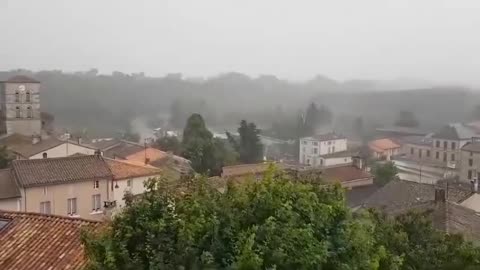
(470,162)
(96,202)
(469,174)
(420,153)
(445,144)
(333,149)
(315,143)
(29,112)
(44,155)
(428,153)
(411,151)
(27,97)
(315,150)
(17,112)
(129,183)
(321,162)
(308,161)
(45,207)
(453,145)
(96,184)
(72,206)
(17,96)
(444,157)
(437,155)
(304,142)
(437,144)
(452,157)
(329,150)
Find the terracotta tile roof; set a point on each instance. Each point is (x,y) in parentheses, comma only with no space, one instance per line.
(400,194)
(122,149)
(472,147)
(41,242)
(244,169)
(8,186)
(21,79)
(23,145)
(38,172)
(383,145)
(151,153)
(123,170)
(344,174)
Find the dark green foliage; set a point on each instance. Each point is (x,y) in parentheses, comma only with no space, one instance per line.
(248,145)
(384,172)
(208,155)
(406,119)
(413,243)
(5,157)
(275,223)
(169,144)
(271,224)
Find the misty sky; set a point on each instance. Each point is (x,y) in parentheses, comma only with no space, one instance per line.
(370,39)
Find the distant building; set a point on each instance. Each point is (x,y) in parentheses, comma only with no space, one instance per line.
(20,106)
(384,148)
(448,141)
(470,162)
(313,148)
(418,148)
(34,147)
(90,187)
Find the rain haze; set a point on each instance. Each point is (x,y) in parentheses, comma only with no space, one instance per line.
(431,40)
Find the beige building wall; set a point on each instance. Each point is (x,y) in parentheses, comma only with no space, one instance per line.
(64,150)
(58,196)
(466,171)
(136,187)
(421,153)
(450,153)
(12,204)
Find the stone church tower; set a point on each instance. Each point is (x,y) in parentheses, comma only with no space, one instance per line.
(20,106)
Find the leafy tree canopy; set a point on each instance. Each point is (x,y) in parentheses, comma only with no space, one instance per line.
(248,146)
(275,223)
(384,172)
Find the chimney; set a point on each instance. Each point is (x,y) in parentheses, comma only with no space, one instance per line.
(36,139)
(79,140)
(440,195)
(98,153)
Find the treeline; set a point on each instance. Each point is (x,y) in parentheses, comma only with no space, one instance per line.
(104,104)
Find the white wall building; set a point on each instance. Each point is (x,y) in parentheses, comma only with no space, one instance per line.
(313,148)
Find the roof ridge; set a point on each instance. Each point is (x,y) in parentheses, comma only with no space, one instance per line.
(46,216)
(57,158)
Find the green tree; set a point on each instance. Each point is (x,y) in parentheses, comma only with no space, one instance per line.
(406,119)
(248,146)
(385,172)
(5,157)
(198,146)
(275,223)
(169,144)
(413,243)
(311,119)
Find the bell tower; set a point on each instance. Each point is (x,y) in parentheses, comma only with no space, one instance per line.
(20,106)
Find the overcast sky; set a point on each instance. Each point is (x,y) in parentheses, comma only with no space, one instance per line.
(297,39)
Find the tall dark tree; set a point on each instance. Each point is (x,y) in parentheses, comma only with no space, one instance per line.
(198,146)
(311,119)
(169,144)
(358,127)
(406,119)
(248,145)
(5,157)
